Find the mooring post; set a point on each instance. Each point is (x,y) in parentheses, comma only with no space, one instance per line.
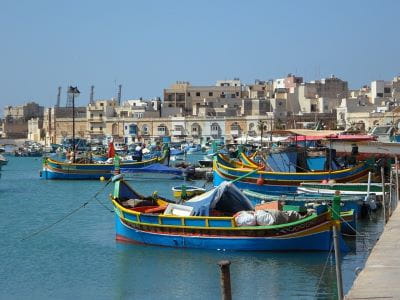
(336,244)
(397,178)
(338,263)
(390,193)
(225,279)
(383,194)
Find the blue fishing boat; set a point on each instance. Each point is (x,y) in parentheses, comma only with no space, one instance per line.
(263,181)
(210,221)
(54,169)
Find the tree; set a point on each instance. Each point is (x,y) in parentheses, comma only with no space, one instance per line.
(261,126)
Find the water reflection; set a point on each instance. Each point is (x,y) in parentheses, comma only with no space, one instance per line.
(182,273)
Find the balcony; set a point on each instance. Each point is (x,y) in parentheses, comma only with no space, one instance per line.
(95,108)
(178,132)
(235,132)
(96,131)
(146,133)
(161,133)
(214,132)
(96,119)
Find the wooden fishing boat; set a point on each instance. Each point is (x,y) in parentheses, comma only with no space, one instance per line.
(190,191)
(53,169)
(3,161)
(351,188)
(352,207)
(207,221)
(287,182)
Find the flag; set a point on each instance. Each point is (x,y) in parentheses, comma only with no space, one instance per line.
(111,150)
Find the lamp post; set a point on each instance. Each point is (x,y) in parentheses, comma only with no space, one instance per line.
(72,91)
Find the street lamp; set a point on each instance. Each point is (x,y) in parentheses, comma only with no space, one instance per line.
(72,92)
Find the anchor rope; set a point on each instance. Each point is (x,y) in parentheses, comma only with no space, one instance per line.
(323,270)
(94,197)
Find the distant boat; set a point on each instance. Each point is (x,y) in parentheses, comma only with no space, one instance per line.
(266,182)
(3,160)
(53,169)
(189,190)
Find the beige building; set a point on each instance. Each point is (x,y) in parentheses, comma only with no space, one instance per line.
(184,95)
(57,124)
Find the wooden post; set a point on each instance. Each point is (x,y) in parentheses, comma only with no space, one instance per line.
(383,193)
(225,280)
(336,244)
(390,193)
(397,178)
(339,281)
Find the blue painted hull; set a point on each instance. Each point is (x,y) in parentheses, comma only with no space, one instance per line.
(265,188)
(316,242)
(46,174)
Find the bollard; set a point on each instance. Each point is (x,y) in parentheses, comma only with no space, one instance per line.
(225,279)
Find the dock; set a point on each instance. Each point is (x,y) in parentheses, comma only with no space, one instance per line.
(380,278)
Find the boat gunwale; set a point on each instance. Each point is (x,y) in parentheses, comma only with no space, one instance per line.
(51,160)
(306,219)
(243,170)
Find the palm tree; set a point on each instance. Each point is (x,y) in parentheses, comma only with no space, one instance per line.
(261,126)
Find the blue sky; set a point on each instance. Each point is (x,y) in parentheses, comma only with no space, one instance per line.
(148,45)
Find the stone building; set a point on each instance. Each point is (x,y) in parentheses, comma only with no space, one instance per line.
(16,119)
(183,95)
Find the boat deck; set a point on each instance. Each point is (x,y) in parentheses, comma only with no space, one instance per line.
(380,278)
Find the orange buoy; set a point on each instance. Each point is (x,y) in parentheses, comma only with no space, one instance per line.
(260,180)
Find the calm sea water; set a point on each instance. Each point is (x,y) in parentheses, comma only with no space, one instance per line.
(79,257)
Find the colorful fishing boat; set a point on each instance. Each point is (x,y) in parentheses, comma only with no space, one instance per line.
(190,191)
(344,188)
(208,221)
(3,160)
(287,182)
(53,169)
(351,209)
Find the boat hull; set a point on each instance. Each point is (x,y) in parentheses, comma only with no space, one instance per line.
(320,241)
(53,169)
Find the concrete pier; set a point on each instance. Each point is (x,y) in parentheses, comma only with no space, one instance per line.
(380,278)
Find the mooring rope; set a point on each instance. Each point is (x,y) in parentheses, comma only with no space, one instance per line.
(70,213)
(323,270)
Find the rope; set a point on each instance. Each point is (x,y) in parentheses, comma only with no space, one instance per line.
(69,214)
(323,270)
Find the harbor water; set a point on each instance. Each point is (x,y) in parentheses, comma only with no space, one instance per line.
(79,257)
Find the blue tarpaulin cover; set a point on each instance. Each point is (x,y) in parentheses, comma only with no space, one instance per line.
(154,168)
(226,197)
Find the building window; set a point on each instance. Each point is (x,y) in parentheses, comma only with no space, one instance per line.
(222,95)
(101,104)
(214,127)
(126,127)
(379,94)
(313,107)
(91,128)
(101,128)
(198,94)
(188,94)
(101,115)
(386,90)
(233,95)
(210,94)
(91,115)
